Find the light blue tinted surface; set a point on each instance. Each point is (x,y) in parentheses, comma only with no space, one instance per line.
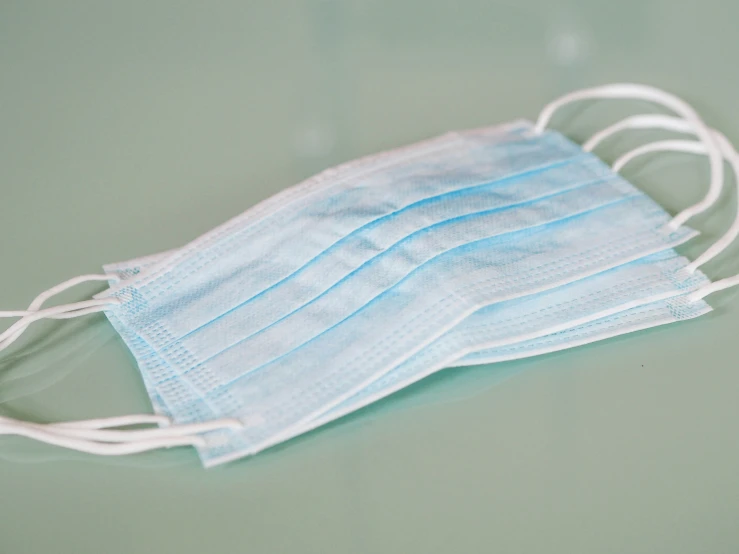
(205,110)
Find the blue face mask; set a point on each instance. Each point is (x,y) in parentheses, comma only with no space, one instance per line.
(294,311)
(299,382)
(481,259)
(527,325)
(343,279)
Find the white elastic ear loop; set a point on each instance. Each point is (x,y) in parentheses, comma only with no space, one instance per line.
(689,146)
(95,436)
(92,447)
(86,436)
(114,443)
(116,421)
(652,94)
(721,244)
(68,311)
(61,287)
(730,235)
(678,125)
(695,148)
(637,122)
(76,309)
(63,315)
(716,286)
(53,291)
(15,426)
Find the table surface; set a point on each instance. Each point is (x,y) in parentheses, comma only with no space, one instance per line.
(130,128)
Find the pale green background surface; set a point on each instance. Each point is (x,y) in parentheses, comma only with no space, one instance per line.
(129,129)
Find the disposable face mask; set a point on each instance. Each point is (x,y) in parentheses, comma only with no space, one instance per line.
(342,280)
(275,407)
(233,331)
(316,233)
(298,380)
(478,332)
(585,311)
(254,301)
(542,324)
(646,281)
(277,354)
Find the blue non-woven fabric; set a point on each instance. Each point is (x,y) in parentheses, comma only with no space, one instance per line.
(379,282)
(304,385)
(270,242)
(611,293)
(267,328)
(648,290)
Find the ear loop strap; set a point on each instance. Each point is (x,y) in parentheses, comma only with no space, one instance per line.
(66,311)
(41,434)
(83,435)
(652,94)
(678,125)
(115,442)
(97,436)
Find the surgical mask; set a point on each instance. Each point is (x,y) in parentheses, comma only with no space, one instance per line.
(217,372)
(596,308)
(660,277)
(640,220)
(299,383)
(343,279)
(583,312)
